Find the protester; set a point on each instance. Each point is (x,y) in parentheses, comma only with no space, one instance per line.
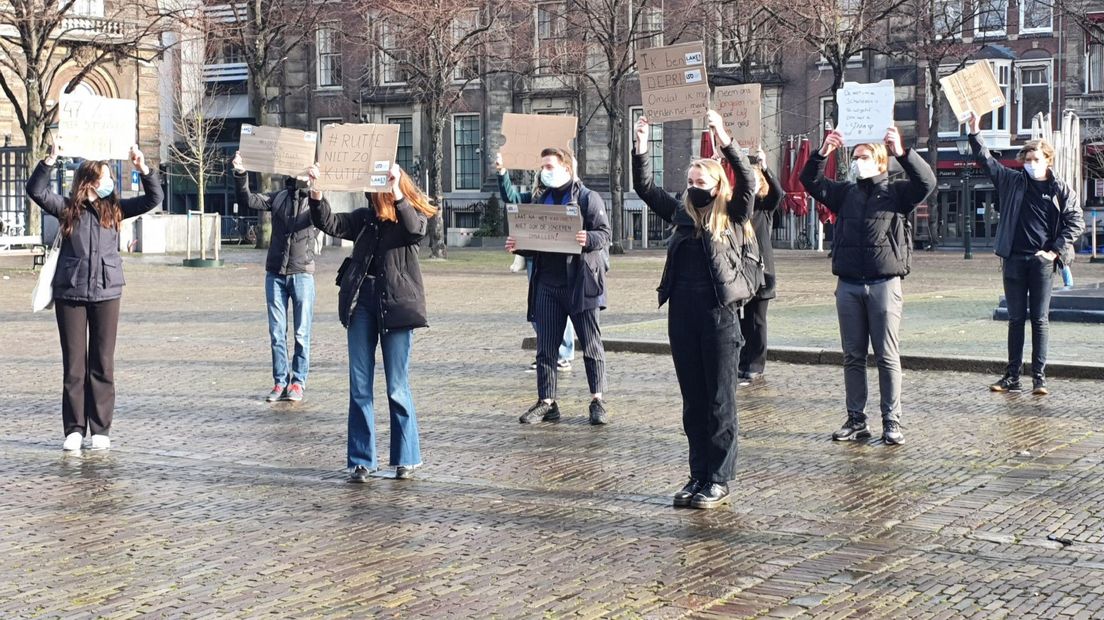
(769,195)
(1040,222)
(712,269)
(566,352)
(88,286)
(289,276)
(565,286)
(871,252)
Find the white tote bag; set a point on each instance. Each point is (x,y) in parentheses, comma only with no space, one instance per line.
(42,298)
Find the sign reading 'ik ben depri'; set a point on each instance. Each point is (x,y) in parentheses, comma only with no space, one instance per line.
(357,157)
(545,228)
(673,83)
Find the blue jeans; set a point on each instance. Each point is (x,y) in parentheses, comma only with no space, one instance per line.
(567,347)
(299,289)
(1027,283)
(364,333)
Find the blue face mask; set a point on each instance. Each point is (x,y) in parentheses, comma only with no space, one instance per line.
(106,187)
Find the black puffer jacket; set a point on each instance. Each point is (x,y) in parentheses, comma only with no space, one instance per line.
(735,266)
(291,250)
(387,250)
(762,220)
(871,240)
(89,266)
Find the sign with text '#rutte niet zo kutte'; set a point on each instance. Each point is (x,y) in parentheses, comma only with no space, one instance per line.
(545,228)
(673,83)
(277,150)
(357,157)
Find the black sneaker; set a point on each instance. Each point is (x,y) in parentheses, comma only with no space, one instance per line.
(1008,383)
(710,496)
(854,428)
(598,415)
(359,474)
(541,412)
(1039,386)
(686,493)
(891,433)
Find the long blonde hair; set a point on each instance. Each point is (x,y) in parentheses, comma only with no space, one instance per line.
(715,220)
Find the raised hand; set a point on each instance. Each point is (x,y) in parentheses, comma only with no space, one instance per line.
(393,178)
(237,163)
(716,124)
(832,141)
(138,160)
(499,168)
(973,123)
(893,142)
(641,132)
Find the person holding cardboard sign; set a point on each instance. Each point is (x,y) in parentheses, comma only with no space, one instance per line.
(1040,222)
(769,195)
(565,286)
(381,301)
(713,268)
(871,252)
(289,276)
(88,285)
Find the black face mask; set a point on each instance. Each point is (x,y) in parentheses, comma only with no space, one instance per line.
(699,197)
(291,184)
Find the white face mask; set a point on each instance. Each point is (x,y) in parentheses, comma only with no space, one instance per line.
(864,168)
(1037,172)
(557,177)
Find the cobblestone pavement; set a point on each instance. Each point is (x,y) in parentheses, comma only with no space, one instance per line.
(215,504)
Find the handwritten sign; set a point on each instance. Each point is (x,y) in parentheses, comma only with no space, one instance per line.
(528,134)
(974,88)
(545,228)
(673,82)
(865,111)
(356,157)
(276,150)
(740,106)
(97,127)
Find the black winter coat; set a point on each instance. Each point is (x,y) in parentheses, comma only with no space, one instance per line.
(762,220)
(291,250)
(871,241)
(387,250)
(735,266)
(1010,186)
(89,266)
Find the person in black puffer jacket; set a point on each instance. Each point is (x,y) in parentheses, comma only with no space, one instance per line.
(712,269)
(88,286)
(870,255)
(769,195)
(381,300)
(289,276)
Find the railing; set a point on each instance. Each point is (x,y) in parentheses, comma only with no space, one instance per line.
(228,72)
(81,26)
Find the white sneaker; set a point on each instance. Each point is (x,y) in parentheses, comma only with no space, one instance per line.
(518,265)
(72,442)
(101,442)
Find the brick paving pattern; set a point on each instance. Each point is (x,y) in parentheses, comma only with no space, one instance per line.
(214,504)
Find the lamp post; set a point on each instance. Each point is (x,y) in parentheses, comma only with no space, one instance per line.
(963,145)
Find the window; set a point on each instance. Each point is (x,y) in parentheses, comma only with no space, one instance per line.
(466,168)
(87,8)
(468,66)
(655,145)
(740,38)
(328,56)
(404,156)
(227,53)
(849,13)
(551,38)
(1036,16)
(391,57)
(946,18)
(992,18)
(827,114)
(322,122)
(1034,95)
(1094,68)
(649,23)
(949,125)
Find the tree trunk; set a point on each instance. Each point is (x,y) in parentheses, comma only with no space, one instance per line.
(201,188)
(35,136)
(616,169)
(436,230)
(258,87)
(935,215)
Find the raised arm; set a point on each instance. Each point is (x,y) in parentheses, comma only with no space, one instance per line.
(39,190)
(827,192)
(152,194)
(245,198)
(775,193)
(921,180)
(659,201)
(413,221)
(506,188)
(998,172)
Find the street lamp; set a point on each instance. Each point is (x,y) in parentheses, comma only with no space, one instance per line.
(963,145)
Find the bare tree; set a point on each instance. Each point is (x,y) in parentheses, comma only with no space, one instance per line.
(47,48)
(752,40)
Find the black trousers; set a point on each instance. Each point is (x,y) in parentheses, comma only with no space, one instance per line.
(705,346)
(1027,284)
(88,331)
(753,327)
(550,313)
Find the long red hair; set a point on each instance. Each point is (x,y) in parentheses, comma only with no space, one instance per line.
(85,181)
(384,202)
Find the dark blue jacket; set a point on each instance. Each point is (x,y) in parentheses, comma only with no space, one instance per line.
(589,268)
(89,266)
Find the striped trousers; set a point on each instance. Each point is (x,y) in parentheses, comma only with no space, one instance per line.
(551,311)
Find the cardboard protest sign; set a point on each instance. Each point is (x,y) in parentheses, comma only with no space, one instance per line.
(97,127)
(276,150)
(974,88)
(356,157)
(528,134)
(740,106)
(673,82)
(545,228)
(865,111)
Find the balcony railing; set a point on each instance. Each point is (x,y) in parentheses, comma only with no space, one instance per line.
(227,72)
(86,27)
